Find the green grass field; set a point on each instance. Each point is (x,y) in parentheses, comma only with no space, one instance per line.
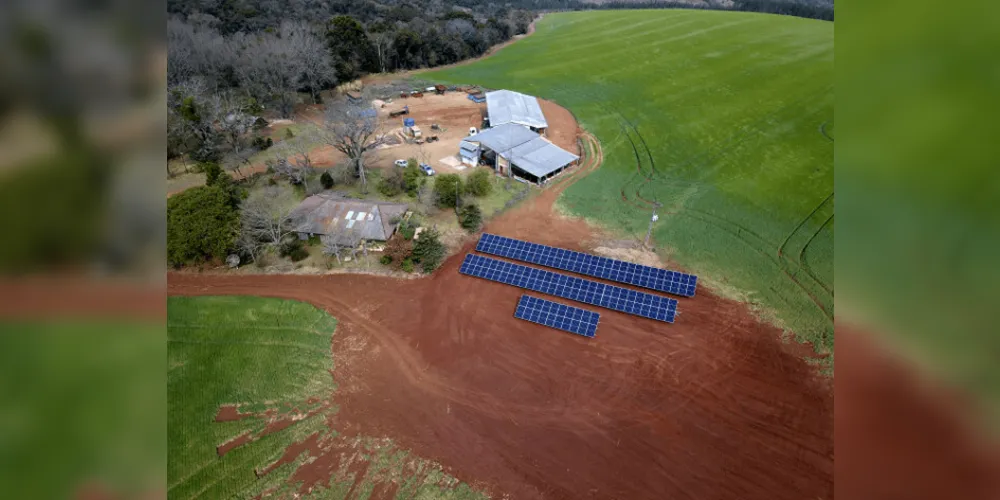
(266,354)
(729,115)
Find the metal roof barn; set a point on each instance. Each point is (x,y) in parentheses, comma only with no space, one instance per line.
(503,137)
(507,106)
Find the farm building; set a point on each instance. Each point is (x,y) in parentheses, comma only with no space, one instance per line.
(514,149)
(348,221)
(507,106)
(469,153)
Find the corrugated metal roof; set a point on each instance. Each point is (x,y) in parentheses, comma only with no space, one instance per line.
(507,106)
(540,157)
(346,219)
(503,137)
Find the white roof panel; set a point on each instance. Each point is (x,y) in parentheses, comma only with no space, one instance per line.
(507,106)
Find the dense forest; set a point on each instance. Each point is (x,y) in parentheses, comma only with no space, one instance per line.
(230,59)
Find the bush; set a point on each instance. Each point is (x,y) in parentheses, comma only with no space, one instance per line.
(293,249)
(202,224)
(212,172)
(385,260)
(478,184)
(391,183)
(428,250)
(406,230)
(326,179)
(413,178)
(289,134)
(446,188)
(262,143)
(470,217)
(407,265)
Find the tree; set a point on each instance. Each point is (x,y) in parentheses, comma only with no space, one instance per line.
(202,224)
(470,217)
(392,183)
(447,188)
(428,250)
(413,178)
(213,173)
(349,46)
(353,129)
(265,216)
(478,184)
(326,180)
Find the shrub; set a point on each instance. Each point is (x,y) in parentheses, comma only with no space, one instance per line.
(202,224)
(391,183)
(385,260)
(406,230)
(428,250)
(413,178)
(262,143)
(398,249)
(293,249)
(407,265)
(289,134)
(326,179)
(478,184)
(470,217)
(212,172)
(446,189)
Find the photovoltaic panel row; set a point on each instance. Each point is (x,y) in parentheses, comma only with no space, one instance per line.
(613,297)
(653,278)
(566,318)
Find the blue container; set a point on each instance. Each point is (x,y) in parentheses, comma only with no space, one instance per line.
(409,122)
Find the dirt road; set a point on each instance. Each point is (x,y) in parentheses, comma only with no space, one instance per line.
(713,406)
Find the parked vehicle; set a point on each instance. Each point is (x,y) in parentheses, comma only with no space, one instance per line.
(404,111)
(400,163)
(427,169)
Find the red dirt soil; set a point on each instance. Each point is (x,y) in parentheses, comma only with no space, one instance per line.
(713,406)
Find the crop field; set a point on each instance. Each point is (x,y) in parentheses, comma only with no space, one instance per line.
(723,119)
(271,358)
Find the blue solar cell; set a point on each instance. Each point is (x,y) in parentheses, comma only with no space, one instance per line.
(559,316)
(569,287)
(599,267)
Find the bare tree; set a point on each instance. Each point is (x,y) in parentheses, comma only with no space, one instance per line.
(269,67)
(353,129)
(382,42)
(314,58)
(264,216)
(337,244)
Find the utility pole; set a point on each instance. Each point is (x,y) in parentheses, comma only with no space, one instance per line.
(652,219)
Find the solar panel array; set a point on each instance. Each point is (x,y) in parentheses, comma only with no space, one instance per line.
(653,278)
(613,297)
(567,318)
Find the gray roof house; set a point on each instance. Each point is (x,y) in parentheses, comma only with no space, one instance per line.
(507,106)
(533,157)
(347,220)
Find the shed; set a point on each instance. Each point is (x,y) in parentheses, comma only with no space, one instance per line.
(354,96)
(515,149)
(469,152)
(507,106)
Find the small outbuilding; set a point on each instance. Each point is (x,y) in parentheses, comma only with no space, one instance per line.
(353,97)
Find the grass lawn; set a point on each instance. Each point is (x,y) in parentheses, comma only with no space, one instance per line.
(262,354)
(724,111)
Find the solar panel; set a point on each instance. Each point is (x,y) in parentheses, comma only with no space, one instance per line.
(566,318)
(652,278)
(613,297)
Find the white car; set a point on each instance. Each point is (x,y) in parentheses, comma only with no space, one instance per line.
(401,163)
(427,169)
